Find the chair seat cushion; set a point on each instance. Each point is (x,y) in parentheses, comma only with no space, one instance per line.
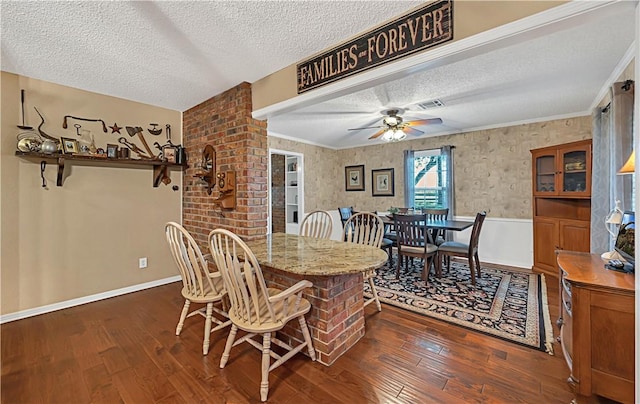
(454,247)
(386,243)
(418,250)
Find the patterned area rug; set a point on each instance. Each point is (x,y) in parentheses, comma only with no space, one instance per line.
(511,305)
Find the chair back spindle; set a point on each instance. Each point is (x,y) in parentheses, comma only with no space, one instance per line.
(364,228)
(186,253)
(318,224)
(248,292)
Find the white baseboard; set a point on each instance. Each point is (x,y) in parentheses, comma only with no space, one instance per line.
(82,300)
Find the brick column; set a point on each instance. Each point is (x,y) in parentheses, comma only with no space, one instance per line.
(336,319)
(240,142)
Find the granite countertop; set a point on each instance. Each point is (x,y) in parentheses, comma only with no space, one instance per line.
(312,256)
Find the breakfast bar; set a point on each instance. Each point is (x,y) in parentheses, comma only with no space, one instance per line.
(335,268)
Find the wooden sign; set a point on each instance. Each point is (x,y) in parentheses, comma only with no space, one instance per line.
(413,32)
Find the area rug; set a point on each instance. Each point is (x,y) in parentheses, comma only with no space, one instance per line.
(507,304)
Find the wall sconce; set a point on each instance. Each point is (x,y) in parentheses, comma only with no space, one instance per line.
(206,168)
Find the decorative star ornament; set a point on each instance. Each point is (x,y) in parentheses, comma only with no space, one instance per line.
(115,128)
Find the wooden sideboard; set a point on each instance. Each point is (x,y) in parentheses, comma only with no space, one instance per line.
(597,323)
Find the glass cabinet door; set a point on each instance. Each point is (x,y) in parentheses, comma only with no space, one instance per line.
(574,166)
(545,180)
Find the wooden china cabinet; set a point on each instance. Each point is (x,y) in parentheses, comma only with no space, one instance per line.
(561,202)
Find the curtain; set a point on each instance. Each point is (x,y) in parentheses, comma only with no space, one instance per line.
(612,145)
(447,152)
(409,190)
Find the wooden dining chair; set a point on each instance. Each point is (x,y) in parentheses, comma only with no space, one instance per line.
(438,235)
(367,229)
(413,241)
(199,285)
(318,224)
(255,308)
(469,251)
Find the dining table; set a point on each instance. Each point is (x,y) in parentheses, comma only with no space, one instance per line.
(336,318)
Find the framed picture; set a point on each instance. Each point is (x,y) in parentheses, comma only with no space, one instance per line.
(69,145)
(382,182)
(354,178)
(170,154)
(112,151)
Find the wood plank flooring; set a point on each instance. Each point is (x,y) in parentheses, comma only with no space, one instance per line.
(124,349)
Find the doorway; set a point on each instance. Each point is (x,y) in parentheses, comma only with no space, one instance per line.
(286,191)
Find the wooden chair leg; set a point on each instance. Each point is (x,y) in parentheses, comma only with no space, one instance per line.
(477,263)
(398,265)
(375,293)
(425,271)
(266,362)
(307,337)
(229,344)
(207,328)
(183,315)
(472,268)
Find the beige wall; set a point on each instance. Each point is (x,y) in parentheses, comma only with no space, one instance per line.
(469,18)
(86,237)
(492,168)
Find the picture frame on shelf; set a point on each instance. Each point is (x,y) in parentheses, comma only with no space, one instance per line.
(354,178)
(112,151)
(382,182)
(69,146)
(170,154)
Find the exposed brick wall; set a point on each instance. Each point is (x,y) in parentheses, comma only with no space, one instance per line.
(336,320)
(240,142)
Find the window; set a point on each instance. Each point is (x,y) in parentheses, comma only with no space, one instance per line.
(427,181)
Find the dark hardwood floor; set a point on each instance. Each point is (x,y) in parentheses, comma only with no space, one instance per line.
(124,349)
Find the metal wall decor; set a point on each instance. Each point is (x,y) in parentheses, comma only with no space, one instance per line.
(155,131)
(132,131)
(66,117)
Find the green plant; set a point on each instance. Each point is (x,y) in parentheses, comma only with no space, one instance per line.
(393,210)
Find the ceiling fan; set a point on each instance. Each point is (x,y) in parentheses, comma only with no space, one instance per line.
(394,128)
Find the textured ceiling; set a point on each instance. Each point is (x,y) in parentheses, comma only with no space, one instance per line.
(174,54)
(557,72)
(178,54)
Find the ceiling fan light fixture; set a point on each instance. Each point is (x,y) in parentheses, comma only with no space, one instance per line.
(391,120)
(393,135)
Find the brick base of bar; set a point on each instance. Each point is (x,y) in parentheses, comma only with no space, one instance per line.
(336,319)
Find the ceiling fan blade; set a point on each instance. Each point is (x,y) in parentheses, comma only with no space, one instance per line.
(419,122)
(378,134)
(412,131)
(366,127)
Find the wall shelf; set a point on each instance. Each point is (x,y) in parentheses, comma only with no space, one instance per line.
(160,168)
